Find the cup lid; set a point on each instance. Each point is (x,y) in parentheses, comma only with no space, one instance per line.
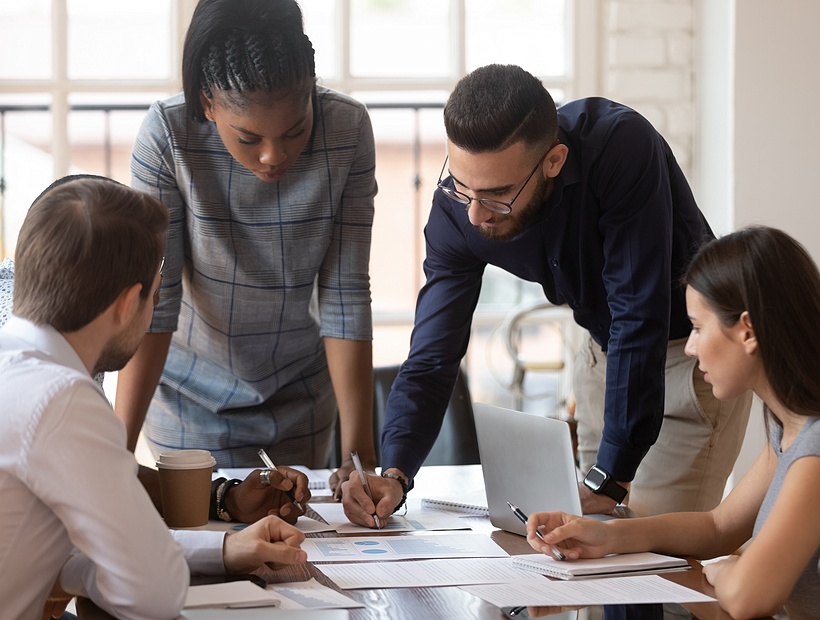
(185,459)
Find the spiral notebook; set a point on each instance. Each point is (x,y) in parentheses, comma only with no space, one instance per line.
(470,504)
(618,565)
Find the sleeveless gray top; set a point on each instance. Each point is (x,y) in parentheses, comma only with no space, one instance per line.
(804,601)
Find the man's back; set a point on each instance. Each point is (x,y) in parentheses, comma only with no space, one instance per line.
(68,481)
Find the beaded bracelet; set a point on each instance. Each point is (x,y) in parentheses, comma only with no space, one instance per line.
(215,485)
(404,488)
(221,490)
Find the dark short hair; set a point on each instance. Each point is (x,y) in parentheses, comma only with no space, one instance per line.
(766,272)
(246,49)
(83,242)
(497,106)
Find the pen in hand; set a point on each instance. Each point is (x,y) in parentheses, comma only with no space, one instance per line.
(523,518)
(357,462)
(269,464)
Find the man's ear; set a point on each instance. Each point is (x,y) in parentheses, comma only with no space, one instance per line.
(747,332)
(127,303)
(555,160)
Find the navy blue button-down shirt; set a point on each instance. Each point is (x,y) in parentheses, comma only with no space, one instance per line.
(612,241)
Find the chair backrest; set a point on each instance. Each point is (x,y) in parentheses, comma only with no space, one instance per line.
(456,443)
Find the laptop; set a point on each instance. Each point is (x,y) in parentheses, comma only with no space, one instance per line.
(527,460)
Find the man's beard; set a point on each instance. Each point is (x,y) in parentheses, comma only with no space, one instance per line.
(517,222)
(117,352)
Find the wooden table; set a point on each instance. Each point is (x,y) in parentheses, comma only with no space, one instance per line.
(448,602)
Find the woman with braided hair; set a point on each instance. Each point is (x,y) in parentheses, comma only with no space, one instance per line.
(264,327)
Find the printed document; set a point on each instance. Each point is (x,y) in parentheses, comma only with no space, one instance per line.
(386,548)
(423,573)
(415,520)
(542,592)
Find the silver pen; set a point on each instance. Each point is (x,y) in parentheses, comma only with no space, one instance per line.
(355,456)
(523,518)
(266,460)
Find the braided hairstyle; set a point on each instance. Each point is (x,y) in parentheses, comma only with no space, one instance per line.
(247,50)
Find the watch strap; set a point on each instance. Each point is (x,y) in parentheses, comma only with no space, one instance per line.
(608,487)
(612,489)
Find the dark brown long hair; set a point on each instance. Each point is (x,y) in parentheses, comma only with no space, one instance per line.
(766,272)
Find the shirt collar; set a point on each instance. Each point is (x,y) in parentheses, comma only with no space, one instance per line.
(46,339)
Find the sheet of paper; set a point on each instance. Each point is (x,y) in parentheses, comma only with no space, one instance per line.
(386,548)
(265,614)
(307,525)
(303,524)
(423,573)
(540,591)
(229,594)
(310,595)
(415,520)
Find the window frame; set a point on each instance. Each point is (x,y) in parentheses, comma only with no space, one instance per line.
(581,79)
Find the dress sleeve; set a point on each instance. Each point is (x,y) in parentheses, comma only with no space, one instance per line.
(344,276)
(154,171)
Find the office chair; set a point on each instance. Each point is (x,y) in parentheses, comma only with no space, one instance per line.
(456,443)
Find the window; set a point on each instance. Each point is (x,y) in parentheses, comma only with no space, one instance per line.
(74,101)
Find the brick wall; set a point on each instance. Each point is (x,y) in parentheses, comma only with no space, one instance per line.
(648,64)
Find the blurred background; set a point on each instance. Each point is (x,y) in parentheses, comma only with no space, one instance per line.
(728,83)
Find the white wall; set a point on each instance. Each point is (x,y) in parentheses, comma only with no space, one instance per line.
(777,126)
(758,159)
(733,85)
(758,131)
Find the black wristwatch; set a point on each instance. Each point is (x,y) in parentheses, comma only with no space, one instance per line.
(601,483)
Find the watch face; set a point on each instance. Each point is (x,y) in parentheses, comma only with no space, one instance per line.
(595,478)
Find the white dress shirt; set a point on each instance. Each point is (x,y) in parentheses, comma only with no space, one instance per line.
(71,499)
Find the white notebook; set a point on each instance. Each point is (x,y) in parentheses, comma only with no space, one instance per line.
(232,594)
(610,566)
(471,503)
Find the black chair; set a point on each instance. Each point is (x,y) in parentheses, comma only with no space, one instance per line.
(456,443)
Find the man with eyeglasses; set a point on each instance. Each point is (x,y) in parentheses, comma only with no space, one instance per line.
(589,202)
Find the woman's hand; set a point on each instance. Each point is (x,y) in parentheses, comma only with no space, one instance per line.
(712,570)
(252,500)
(577,537)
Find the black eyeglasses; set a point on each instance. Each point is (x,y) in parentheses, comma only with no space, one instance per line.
(156,292)
(496,206)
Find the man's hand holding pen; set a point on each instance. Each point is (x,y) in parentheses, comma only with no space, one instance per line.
(359,508)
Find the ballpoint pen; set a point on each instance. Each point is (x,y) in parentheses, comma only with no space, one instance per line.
(355,456)
(269,464)
(523,518)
